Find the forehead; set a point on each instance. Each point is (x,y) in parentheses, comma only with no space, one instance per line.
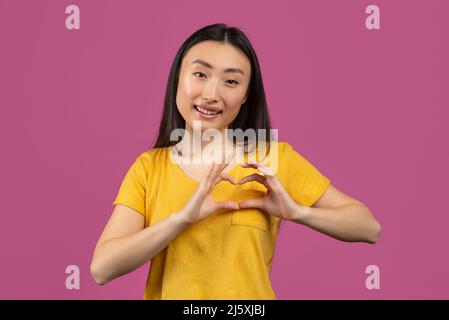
(219,55)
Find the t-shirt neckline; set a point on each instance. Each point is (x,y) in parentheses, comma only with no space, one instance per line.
(187,177)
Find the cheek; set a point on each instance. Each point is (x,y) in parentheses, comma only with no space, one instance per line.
(187,86)
(184,88)
(233,103)
(185,94)
(232,111)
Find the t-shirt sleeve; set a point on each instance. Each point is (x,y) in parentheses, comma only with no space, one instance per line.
(132,191)
(305,183)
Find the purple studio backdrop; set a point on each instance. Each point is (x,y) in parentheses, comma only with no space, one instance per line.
(367,106)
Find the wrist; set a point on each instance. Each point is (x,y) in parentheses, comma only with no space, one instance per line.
(300,214)
(179,218)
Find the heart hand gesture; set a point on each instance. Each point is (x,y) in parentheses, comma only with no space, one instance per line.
(277,201)
(202,205)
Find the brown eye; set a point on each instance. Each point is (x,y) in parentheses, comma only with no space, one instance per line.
(197,73)
(235,82)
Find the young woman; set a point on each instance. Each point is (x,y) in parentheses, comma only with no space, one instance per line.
(209,229)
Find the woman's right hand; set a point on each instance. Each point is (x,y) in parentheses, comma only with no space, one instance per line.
(202,205)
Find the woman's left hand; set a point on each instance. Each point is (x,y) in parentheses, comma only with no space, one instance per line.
(277,201)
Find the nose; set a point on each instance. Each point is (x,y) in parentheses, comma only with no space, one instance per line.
(210,91)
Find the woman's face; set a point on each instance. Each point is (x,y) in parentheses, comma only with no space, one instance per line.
(214,77)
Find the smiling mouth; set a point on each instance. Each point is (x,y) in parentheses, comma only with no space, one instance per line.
(206,112)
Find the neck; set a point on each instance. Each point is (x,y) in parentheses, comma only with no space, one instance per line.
(192,145)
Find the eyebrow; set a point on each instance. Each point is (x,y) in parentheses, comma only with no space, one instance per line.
(227,70)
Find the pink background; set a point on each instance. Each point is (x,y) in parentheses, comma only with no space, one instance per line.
(367,107)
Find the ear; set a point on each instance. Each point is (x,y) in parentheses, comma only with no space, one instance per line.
(244,100)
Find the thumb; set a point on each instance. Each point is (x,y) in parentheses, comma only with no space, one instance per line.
(252,203)
(226,205)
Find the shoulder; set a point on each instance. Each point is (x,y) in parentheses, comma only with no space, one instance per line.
(151,155)
(288,153)
(283,149)
(150,158)
(284,146)
(289,160)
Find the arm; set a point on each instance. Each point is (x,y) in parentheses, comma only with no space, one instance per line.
(340,216)
(125,244)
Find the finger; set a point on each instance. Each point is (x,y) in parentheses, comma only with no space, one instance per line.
(266,171)
(222,166)
(210,171)
(230,205)
(252,203)
(253,177)
(228,159)
(224,159)
(251,164)
(210,177)
(227,177)
(248,165)
(205,180)
(216,172)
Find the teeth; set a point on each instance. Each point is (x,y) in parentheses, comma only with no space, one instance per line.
(206,112)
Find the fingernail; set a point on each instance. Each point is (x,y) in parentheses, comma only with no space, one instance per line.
(266,171)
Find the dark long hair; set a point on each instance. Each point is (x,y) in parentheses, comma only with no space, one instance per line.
(253,113)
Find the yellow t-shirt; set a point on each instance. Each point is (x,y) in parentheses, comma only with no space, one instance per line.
(228,255)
